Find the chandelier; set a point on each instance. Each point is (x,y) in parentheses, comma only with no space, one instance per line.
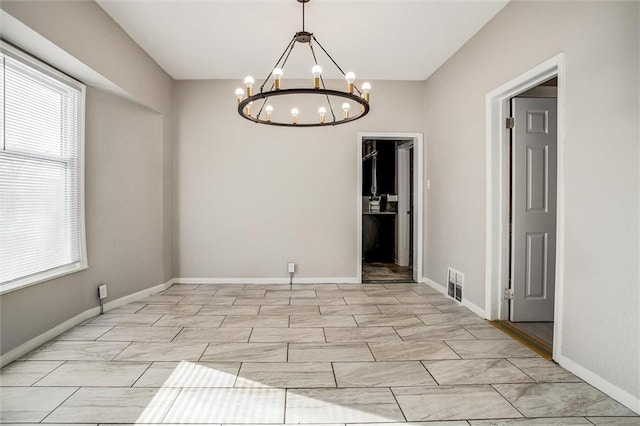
(256,107)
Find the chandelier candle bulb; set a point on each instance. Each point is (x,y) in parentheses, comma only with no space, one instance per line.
(345,109)
(248,109)
(350,77)
(294,115)
(248,82)
(322,111)
(317,72)
(277,78)
(366,87)
(239,95)
(269,110)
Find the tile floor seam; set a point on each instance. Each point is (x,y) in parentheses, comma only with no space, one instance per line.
(156,321)
(141,307)
(133,385)
(59,405)
(523,372)
(454,351)
(398,404)
(120,353)
(398,334)
(201,307)
(370,351)
(176,336)
(170,406)
(235,380)
(335,379)
(203,352)
(111,328)
(284,411)
(510,403)
(429,372)
(43,377)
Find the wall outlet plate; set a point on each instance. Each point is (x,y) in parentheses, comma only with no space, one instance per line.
(291,267)
(102,291)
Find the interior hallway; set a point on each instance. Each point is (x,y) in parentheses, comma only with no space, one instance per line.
(321,354)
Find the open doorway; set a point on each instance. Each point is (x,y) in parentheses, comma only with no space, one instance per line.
(532,180)
(390,205)
(525,206)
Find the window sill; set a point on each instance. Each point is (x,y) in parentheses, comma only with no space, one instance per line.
(42,277)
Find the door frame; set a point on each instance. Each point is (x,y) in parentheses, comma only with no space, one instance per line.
(418,191)
(497,196)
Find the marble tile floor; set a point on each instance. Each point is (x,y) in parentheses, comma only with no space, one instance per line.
(371,354)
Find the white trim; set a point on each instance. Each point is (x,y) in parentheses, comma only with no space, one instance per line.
(82,263)
(434,285)
(282,280)
(497,244)
(465,302)
(25,38)
(474,308)
(418,180)
(43,338)
(620,395)
(41,277)
(136,296)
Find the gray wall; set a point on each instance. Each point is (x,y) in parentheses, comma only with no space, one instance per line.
(128,171)
(250,198)
(601,41)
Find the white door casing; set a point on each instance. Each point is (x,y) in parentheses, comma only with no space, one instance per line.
(497,195)
(418,217)
(534,181)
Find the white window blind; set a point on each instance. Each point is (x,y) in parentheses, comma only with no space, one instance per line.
(41,209)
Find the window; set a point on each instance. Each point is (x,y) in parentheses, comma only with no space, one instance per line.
(41,172)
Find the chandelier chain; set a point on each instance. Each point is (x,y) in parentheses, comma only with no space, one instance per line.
(313,52)
(334,62)
(289,48)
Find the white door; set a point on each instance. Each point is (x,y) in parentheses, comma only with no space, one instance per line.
(404,208)
(534,182)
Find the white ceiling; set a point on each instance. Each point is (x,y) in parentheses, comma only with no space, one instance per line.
(228,39)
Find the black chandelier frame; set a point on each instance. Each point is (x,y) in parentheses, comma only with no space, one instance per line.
(264,95)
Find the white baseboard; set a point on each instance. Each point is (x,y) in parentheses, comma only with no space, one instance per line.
(474,308)
(465,302)
(283,280)
(434,285)
(137,296)
(43,338)
(622,396)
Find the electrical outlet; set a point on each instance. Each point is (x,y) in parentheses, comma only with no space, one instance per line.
(102,291)
(291,267)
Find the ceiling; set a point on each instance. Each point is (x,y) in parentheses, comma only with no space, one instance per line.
(229,39)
